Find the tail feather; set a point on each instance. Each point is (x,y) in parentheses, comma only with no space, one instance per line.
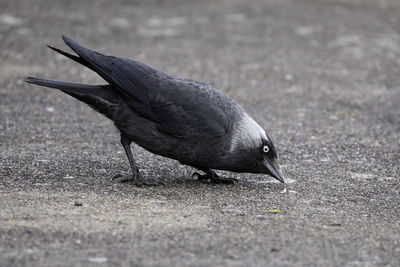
(75,87)
(78,59)
(77,48)
(100,97)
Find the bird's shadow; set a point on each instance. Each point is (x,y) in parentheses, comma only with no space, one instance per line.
(188,181)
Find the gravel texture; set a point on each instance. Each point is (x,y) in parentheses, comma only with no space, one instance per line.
(322,77)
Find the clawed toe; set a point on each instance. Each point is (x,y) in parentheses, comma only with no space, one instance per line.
(139,181)
(116,176)
(122,178)
(220,180)
(213,178)
(200,177)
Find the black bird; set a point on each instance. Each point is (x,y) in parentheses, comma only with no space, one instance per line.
(185,120)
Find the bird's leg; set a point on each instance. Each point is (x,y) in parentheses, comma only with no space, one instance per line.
(212,177)
(136,177)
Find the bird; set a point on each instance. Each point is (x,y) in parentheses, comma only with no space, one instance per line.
(185,120)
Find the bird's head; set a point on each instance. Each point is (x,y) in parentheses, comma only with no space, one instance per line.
(268,160)
(254,149)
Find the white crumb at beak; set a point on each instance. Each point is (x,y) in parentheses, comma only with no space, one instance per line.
(285,191)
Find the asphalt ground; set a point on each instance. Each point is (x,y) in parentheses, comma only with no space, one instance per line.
(322,77)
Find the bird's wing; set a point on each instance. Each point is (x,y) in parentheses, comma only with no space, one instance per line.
(180,107)
(188,110)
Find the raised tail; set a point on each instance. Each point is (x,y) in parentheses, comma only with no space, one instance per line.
(99,97)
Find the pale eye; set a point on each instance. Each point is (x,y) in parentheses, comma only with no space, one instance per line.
(265,149)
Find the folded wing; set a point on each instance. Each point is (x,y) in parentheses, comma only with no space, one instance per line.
(181,108)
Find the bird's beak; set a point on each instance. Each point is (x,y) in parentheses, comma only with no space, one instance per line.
(274,169)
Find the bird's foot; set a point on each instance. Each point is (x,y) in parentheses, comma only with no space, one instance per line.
(122,178)
(137,180)
(214,178)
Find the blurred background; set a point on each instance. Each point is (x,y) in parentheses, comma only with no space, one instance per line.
(321,76)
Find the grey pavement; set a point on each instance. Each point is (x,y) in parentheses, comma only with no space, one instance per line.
(322,77)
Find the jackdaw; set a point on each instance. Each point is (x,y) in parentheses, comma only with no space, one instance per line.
(182,119)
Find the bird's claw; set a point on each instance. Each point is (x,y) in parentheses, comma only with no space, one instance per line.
(213,178)
(200,177)
(224,180)
(116,176)
(137,180)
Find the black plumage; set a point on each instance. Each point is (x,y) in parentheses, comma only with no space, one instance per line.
(182,119)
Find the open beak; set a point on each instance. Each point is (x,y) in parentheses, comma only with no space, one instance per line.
(274,169)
